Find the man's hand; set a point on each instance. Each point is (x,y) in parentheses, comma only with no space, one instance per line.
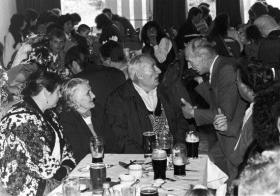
(220,121)
(187,109)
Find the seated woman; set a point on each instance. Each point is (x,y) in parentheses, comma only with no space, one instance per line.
(34,156)
(252,77)
(76,118)
(157,44)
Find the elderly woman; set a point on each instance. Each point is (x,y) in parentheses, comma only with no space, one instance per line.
(34,155)
(76,118)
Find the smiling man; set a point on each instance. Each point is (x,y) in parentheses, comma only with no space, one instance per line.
(142,104)
(220,92)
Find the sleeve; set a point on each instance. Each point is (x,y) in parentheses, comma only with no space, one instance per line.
(162,49)
(8,49)
(203,116)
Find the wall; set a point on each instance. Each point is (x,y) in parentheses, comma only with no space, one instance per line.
(7,9)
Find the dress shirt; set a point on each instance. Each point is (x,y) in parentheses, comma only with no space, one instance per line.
(150,99)
(211,68)
(247,115)
(89,124)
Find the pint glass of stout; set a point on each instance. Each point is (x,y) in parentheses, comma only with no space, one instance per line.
(159,162)
(97,149)
(192,143)
(179,157)
(148,191)
(97,177)
(149,138)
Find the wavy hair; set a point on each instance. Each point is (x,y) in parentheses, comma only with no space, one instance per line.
(68,91)
(264,121)
(146,27)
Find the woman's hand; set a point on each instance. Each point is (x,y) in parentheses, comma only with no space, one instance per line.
(220,121)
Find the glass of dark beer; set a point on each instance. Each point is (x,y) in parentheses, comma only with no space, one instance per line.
(192,143)
(149,138)
(148,191)
(159,162)
(97,149)
(97,177)
(179,159)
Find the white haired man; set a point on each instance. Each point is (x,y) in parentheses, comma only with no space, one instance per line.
(140,105)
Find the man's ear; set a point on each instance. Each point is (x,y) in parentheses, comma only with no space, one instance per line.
(278,124)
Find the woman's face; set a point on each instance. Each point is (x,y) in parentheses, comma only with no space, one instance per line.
(53,97)
(84,97)
(152,33)
(23,25)
(244,91)
(68,26)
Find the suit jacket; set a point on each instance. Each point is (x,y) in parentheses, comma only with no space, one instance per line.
(103,81)
(127,118)
(222,93)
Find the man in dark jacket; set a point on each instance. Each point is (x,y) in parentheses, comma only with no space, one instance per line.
(140,105)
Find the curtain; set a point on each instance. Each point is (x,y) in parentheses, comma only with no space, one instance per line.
(38,5)
(169,13)
(232,8)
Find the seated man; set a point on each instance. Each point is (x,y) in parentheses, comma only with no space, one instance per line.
(140,105)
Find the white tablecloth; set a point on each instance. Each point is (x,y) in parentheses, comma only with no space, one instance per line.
(203,172)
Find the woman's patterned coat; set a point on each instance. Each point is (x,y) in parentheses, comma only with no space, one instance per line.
(32,149)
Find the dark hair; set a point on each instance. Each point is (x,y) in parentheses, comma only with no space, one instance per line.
(148,25)
(83,27)
(63,19)
(75,54)
(112,50)
(47,17)
(255,75)
(194,11)
(75,17)
(56,32)
(39,80)
(265,132)
(30,15)
(17,22)
(253,33)
(106,10)
(102,21)
(53,26)
(220,26)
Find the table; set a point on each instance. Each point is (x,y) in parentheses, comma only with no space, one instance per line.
(203,172)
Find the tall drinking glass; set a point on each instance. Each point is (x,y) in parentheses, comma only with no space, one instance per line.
(149,138)
(97,149)
(165,140)
(192,144)
(97,176)
(159,162)
(71,187)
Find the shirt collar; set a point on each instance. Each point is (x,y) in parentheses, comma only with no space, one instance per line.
(211,68)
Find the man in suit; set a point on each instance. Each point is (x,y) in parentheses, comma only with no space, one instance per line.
(140,105)
(220,92)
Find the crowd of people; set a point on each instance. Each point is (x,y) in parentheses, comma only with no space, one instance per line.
(60,86)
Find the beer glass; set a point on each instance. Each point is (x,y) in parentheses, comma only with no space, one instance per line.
(148,191)
(179,159)
(149,138)
(159,162)
(192,143)
(97,176)
(97,149)
(165,140)
(71,187)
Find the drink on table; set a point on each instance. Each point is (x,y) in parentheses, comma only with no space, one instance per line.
(97,176)
(159,162)
(192,143)
(71,187)
(179,159)
(97,149)
(165,139)
(149,138)
(149,191)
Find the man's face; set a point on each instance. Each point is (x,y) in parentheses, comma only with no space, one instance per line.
(148,76)
(57,44)
(196,62)
(68,27)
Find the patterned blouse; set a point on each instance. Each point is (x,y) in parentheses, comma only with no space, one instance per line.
(32,149)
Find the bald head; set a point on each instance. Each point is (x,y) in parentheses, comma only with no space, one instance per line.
(266,24)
